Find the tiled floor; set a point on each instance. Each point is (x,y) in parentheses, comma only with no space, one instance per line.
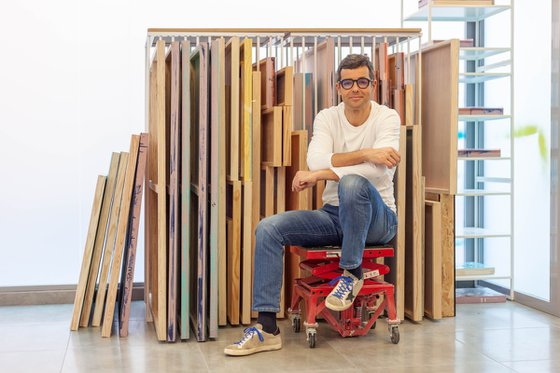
(497,338)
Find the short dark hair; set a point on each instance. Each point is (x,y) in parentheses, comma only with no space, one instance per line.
(353,61)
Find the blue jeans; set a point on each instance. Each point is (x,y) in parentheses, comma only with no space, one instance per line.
(361,218)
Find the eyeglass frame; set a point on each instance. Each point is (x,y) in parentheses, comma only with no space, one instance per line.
(355,81)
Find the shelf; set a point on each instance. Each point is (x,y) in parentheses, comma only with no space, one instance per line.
(481,277)
(483,158)
(480,53)
(481,192)
(463,13)
(471,232)
(471,78)
(481,118)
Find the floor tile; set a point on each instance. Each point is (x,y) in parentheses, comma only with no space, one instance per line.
(34,337)
(541,366)
(45,361)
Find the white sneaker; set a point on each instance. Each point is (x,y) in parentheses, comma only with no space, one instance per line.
(254,340)
(344,293)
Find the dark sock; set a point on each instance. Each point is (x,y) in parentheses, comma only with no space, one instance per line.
(357,272)
(268,322)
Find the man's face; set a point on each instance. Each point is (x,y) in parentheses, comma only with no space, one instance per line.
(355,98)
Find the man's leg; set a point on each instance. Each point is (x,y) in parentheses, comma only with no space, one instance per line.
(364,217)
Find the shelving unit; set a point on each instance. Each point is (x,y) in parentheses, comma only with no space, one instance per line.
(479,186)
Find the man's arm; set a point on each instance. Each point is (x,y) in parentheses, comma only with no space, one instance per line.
(387,156)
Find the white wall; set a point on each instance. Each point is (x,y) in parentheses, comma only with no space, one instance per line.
(72,91)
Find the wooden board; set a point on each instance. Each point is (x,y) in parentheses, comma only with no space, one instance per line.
(287,127)
(100,240)
(269,191)
(271,144)
(409,104)
(173,87)
(245,57)
(217,161)
(440,81)
(433,269)
(448,254)
(88,251)
(414,265)
(323,71)
(267,86)
(232,106)
(234,253)
(247,247)
(124,216)
(183,319)
(199,145)
(110,242)
(127,272)
(285,86)
(303,103)
(398,104)
(156,200)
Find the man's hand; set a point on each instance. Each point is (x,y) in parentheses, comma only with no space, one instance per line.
(304,180)
(388,157)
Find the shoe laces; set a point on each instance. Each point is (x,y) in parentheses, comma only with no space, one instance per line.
(344,286)
(248,334)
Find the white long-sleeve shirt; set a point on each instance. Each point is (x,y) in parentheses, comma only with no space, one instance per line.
(332,133)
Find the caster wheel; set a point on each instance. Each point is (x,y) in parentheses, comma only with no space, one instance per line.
(395,336)
(296,324)
(311,338)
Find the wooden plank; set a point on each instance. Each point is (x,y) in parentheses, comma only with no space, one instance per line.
(285,86)
(88,251)
(440,81)
(448,254)
(124,216)
(217,117)
(409,104)
(303,103)
(232,106)
(99,240)
(131,240)
(199,90)
(256,215)
(184,329)
(173,86)
(110,241)
(398,104)
(218,182)
(287,127)
(271,144)
(245,56)
(267,86)
(247,247)
(269,191)
(234,254)
(324,72)
(432,289)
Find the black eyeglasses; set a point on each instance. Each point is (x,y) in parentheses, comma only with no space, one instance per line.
(363,83)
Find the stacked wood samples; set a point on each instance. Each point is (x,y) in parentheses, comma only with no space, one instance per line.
(432,291)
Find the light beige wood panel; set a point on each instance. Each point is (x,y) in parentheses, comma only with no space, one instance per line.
(267,83)
(271,144)
(234,254)
(88,251)
(440,81)
(124,217)
(448,254)
(100,240)
(247,247)
(287,126)
(245,57)
(432,288)
(232,106)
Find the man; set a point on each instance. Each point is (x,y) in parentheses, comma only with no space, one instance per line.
(355,149)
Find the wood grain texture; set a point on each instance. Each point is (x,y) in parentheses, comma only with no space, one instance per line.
(448,254)
(127,272)
(271,144)
(285,86)
(124,217)
(247,247)
(234,254)
(100,240)
(110,241)
(88,251)
(232,105)
(409,104)
(267,88)
(245,56)
(432,289)
(287,127)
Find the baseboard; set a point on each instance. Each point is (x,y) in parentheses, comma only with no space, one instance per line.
(49,294)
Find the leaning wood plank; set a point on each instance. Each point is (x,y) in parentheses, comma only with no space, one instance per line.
(269,191)
(323,72)
(268,82)
(88,251)
(234,254)
(100,239)
(280,208)
(121,236)
(271,144)
(247,245)
(448,254)
(432,289)
(184,329)
(285,86)
(303,102)
(245,57)
(256,217)
(287,127)
(132,238)
(232,110)
(409,104)
(110,241)
(173,81)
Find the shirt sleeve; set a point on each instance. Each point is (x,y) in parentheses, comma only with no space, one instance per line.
(320,150)
(387,136)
